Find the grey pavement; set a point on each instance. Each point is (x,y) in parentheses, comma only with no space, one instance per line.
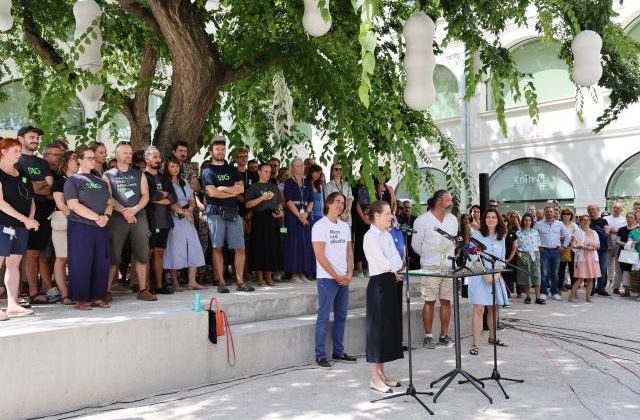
(593,373)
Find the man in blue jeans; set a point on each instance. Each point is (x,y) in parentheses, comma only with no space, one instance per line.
(331,239)
(554,237)
(602,228)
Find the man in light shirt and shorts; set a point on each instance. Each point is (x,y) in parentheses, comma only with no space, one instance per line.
(432,246)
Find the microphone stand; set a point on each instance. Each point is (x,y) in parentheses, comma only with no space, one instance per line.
(495,374)
(411,390)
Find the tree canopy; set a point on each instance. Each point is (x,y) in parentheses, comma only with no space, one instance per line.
(252,60)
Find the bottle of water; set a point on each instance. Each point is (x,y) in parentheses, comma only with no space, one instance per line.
(196,305)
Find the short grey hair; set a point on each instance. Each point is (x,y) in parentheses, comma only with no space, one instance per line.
(149,150)
(296,160)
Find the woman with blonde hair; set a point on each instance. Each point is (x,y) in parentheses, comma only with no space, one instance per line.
(586,245)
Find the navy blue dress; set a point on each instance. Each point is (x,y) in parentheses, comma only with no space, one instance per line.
(298,251)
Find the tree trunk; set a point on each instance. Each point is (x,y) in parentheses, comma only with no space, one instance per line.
(196,78)
(137,109)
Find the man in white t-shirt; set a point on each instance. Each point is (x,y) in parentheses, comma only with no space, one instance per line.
(331,239)
(616,220)
(434,250)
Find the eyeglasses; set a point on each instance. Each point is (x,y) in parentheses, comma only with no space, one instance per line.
(273,164)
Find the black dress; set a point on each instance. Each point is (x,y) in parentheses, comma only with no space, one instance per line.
(510,277)
(623,236)
(384,334)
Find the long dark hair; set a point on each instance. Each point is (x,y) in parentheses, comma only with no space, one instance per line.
(175,161)
(500,228)
(317,183)
(436,196)
(64,162)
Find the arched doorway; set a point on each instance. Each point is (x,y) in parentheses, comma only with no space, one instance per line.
(436,179)
(525,181)
(624,183)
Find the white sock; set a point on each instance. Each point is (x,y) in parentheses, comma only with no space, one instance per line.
(428,335)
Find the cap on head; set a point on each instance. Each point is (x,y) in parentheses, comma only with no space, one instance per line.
(29,129)
(219,139)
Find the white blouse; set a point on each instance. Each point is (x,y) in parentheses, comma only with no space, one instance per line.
(382,254)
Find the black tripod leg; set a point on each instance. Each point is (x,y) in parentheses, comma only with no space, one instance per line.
(442,378)
(424,405)
(475,383)
(518,381)
(446,384)
(503,391)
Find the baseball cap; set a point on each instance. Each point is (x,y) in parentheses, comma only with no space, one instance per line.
(219,139)
(29,129)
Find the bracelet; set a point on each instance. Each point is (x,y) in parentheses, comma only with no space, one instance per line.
(137,207)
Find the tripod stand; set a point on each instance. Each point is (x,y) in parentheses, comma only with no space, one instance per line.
(455,277)
(411,390)
(495,374)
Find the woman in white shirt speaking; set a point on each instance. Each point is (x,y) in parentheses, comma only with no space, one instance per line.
(384,339)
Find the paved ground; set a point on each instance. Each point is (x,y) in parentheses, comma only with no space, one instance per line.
(579,361)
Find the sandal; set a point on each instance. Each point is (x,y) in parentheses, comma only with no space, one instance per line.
(32,299)
(24,303)
(66,301)
(100,304)
(474,350)
(527,300)
(82,306)
(497,342)
(18,311)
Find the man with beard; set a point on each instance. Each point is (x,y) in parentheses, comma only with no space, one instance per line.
(129,196)
(431,246)
(40,175)
(161,197)
(222,183)
(180,151)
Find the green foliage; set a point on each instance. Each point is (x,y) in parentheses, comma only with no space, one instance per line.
(359,62)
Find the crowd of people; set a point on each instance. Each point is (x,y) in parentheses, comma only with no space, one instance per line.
(88,228)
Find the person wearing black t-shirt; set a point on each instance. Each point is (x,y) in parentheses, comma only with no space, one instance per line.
(222,183)
(602,228)
(161,197)
(40,175)
(17,212)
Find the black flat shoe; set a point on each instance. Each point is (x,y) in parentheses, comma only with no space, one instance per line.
(541,301)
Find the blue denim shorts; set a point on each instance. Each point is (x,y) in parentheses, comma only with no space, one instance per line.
(13,244)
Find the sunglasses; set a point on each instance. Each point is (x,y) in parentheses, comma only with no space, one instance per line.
(337,169)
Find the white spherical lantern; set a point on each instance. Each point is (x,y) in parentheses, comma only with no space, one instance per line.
(6,20)
(312,21)
(419,61)
(587,69)
(86,12)
(212,5)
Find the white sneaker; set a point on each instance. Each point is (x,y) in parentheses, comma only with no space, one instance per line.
(296,279)
(543,296)
(557,297)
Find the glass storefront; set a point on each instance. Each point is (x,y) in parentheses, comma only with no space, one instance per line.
(433,180)
(624,184)
(530,181)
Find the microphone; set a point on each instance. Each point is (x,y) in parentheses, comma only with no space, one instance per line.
(406,228)
(452,238)
(478,244)
(472,248)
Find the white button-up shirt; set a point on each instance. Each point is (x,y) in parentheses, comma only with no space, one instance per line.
(381,252)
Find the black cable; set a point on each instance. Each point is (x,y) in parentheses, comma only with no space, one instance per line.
(239,381)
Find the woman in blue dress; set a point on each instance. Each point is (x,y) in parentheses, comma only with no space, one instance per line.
(183,245)
(491,233)
(299,258)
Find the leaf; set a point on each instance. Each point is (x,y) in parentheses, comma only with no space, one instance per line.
(363,93)
(368,63)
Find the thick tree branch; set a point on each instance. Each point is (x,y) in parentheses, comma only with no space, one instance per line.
(135,9)
(42,47)
(245,70)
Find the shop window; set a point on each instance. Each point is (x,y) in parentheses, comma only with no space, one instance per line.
(530,181)
(624,184)
(447,102)
(14,112)
(438,177)
(550,74)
